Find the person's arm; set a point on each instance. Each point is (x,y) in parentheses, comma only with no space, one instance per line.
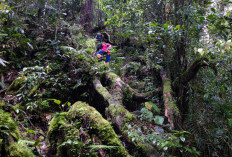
(108,46)
(99,46)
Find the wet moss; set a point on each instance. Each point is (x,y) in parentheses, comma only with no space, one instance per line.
(58,121)
(101,126)
(2,104)
(19,149)
(33,90)
(8,125)
(103,91)
(121,115)
(16,86)
(11,144)
(57,124)
(167,86)
(174,108)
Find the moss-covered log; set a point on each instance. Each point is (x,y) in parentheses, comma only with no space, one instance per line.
(117,113)
(29,80)
(120,86)
(99,127)
(16,86)
(102,91)
(171,109)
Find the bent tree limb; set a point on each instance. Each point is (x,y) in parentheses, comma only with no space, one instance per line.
(120,115)
(192,71)
(118,85)
(117,113)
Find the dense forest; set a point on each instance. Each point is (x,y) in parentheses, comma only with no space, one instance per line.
(167,90)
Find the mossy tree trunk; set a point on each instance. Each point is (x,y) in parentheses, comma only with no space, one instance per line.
(116,111)
(81,112)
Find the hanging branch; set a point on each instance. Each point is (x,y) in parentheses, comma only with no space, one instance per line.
(192,71)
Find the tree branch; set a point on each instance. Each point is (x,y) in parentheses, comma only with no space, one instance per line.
(192,71)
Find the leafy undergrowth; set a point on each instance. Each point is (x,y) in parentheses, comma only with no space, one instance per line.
(41,93)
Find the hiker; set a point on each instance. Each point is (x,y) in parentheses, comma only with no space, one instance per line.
(99,37)
(104,49)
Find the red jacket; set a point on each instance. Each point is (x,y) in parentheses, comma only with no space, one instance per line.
(105,47)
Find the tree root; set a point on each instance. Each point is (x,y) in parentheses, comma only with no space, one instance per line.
(101,126)
(117,113)
(98,126)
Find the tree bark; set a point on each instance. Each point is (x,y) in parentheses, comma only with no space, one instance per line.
(170,108)
(117,113)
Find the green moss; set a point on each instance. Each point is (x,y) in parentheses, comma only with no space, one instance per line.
(128,97)
(121,114)
(129,117)
(102,127)
(167,86)
(16,86)
(104,92)
(9,125)
(58,121)
(112,76)
(2,104)
(174,108)
(20,150)
(33,90)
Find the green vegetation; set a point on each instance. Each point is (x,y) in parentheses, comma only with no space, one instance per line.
(166,92)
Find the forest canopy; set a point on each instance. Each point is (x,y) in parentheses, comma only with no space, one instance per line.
(163,88)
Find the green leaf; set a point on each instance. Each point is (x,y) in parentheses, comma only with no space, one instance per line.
(69,141)
(201,18)
(58,102)
(153,106)
(213,10)
(182,138)
(159,120)
(30,131)
(211,17)
(31,47)
(16,35)
(3,35)
(165,26)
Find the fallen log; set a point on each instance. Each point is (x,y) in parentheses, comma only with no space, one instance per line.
(171,110)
